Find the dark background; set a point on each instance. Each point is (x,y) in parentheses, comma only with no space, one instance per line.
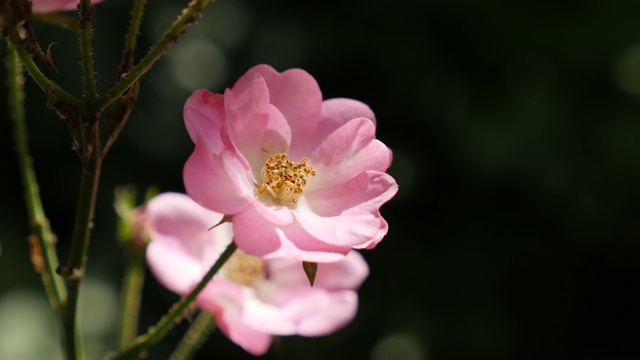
(515,129)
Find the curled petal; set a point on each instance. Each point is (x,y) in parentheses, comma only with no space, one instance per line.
(298,97)
(347,152)
(347,214)
(339,111)
(248,110)
(257,236)
(298,244)
(384,228)
(205,119)
(208,181)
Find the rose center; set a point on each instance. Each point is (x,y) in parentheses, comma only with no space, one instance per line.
(284,179)
(244,269)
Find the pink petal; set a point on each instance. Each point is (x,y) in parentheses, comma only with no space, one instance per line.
(339,111)
(346,274)
(226,301)
(339,311)
(275,214)
(181,248)
(347,214)
(44,6)
(298,97)
(278,134)
(277,138)
(363,194)
(310,312)
(254,234)
(298,244)
(384,228)
(205,119)
(216,182)
(257,236)
(248,111)
(347,152)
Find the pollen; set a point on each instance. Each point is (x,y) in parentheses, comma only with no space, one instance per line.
(284,179)
(244,269)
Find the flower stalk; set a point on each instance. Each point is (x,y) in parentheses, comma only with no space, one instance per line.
(131,294)
(175,314)
(86,11)
(43,240)
(75,268)
(194,337)
(121,110)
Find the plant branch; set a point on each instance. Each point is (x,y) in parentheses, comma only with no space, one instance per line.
(130,301)
(184,21)
(194,337)
(86,51)
(43,252)
(75,268)
(158,332)
(121,109)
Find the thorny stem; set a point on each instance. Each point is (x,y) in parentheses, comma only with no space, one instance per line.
(86,51)
(194,337)
(185,20)
(43,252)
(130,302)
(158,332)
(121,109)
(131,39)
(75,268)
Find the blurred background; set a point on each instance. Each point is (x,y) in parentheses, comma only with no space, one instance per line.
(515,128)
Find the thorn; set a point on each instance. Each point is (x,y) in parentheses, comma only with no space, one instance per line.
(225,219)
(310,268)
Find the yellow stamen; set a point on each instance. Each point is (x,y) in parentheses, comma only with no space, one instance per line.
(284,179)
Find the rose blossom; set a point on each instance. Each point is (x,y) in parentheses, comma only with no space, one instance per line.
(45,6)
(302,178)
(251,298)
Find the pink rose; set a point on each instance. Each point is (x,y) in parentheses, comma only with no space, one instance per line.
(45,6)
(251,298)
(301,177)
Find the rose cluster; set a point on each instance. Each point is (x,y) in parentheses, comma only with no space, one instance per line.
(301,179)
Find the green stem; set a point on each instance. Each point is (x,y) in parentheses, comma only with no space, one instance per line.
(75,268)
(131,293)
(52,89)
(43,253)
(194,338)
(121,109)
(131,39)
(184,21)
(86,52)
(158,332)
